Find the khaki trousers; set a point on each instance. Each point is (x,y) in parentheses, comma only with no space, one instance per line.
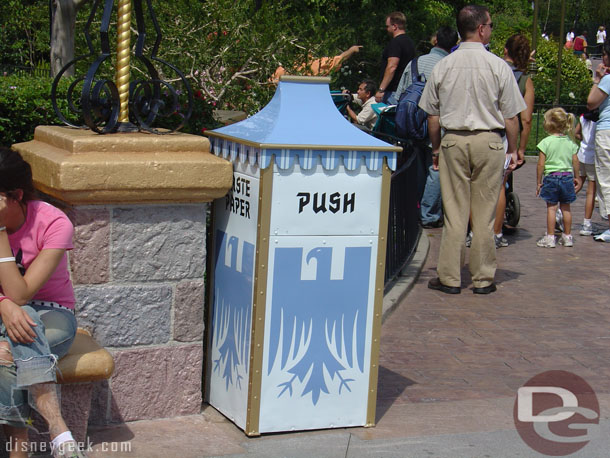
(602,167)
(471,170)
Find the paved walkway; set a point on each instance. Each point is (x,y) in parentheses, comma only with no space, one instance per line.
(450,365)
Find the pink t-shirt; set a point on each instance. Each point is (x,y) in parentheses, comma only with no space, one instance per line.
(45,227)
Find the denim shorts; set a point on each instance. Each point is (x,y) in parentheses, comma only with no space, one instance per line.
(558,189)
(35,362)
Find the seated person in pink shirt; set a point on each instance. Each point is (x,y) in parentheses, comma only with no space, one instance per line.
(37,323)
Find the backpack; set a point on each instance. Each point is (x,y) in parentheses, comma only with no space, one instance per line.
(411,120)
(521,80)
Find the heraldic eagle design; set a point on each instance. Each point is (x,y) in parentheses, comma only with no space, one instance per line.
(232,309)
(318,327)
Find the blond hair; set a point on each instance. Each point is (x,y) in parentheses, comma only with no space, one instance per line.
(558,121)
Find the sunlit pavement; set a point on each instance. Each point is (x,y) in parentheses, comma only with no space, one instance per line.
(450,365)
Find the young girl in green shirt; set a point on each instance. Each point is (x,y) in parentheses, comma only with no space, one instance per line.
(558,175)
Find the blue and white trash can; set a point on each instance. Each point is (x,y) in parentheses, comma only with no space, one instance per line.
(298,266)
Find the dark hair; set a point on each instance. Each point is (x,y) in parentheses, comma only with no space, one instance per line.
(591,115)
(518,48)
(446,38)
(370,87)
(398,19)
(15,174)
(470,18)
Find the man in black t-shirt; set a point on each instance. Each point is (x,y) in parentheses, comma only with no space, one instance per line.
(396,55)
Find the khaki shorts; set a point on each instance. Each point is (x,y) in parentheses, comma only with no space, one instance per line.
(587,170)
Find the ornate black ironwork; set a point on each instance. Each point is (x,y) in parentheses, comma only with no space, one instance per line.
(95,99)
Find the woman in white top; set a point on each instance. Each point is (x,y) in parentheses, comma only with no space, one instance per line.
(585,132)
(601,34)
(598,98)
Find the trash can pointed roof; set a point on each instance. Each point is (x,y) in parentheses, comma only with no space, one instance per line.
(302,122)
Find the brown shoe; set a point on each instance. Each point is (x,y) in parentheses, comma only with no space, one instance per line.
(436,284)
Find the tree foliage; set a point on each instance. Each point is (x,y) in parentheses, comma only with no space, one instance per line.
(229,49)
(580,15)
(24,32)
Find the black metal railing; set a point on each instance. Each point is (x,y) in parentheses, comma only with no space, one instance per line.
(403,217)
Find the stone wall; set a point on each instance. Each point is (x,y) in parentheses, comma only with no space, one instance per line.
(138,273)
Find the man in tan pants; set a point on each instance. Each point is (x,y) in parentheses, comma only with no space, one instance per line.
(472,94)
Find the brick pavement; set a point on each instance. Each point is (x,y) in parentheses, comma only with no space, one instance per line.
(550,312)
(450,365)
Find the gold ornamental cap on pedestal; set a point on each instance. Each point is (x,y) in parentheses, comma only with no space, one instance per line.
(81,167)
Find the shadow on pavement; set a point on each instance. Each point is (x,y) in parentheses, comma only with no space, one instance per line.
(390,387)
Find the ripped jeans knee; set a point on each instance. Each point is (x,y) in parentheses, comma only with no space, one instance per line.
(15,408)
(35,362)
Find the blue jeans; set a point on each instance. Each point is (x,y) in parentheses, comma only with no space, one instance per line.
(389,98)
(34,363)
(431,203)
(558,189)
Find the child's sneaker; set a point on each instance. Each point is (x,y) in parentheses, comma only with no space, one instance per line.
(500,241)
(468,239)
(587,228)
(566,240)
(604,236)
(548,241)
(559,221)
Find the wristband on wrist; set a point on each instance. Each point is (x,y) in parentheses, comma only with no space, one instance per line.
(10,259)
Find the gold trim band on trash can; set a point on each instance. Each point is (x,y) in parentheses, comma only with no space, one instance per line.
(386,181)
(259,301)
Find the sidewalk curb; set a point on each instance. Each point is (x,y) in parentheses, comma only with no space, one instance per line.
(407,278)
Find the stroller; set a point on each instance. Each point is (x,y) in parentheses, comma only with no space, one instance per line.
(512,214)
(341,101)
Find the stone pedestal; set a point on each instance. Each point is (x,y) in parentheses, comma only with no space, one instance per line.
(138,203)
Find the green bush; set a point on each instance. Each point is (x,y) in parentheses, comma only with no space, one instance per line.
(575,78)
(24,104)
